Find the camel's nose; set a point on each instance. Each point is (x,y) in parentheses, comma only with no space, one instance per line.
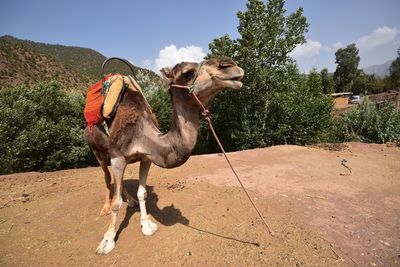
(241,73)
(226,62)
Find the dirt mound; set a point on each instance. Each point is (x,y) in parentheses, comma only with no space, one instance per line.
(322,218)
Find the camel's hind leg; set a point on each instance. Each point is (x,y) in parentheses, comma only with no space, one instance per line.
(107,244)
(148,226)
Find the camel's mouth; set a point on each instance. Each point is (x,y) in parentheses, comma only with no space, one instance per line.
(234,84)
(233,81)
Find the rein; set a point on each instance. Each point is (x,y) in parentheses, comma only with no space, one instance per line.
(206,115)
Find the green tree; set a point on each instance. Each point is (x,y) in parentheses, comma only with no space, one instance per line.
(267,110)
(41,128)
(301,114)
(328,84)
(394,73)
(158,97)
(346,73)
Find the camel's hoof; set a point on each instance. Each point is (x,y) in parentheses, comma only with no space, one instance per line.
(106,210)
(148,227)
(105,246)
(132,203)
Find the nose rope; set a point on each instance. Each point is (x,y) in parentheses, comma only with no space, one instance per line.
(206,114)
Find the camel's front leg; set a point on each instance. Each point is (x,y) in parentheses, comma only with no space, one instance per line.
(148,226)
(107,178)
(107,244)
(107,204)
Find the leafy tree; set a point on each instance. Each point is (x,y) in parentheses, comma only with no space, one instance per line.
(328,84)
(276,103)
(301,114)
(368,84)
(41,128)
(158,97)
(361,83)
(394,72)
(346,73)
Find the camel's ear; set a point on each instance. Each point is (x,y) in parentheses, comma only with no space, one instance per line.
(167,73)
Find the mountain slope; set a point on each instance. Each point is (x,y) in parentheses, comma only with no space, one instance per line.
(20,64)
(76,68)
(380,70)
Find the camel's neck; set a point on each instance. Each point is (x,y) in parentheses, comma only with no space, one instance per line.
(175,147)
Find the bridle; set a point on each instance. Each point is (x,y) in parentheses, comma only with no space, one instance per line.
(205,112)
(193,85)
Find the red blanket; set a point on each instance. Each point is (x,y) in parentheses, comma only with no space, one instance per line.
(94,102)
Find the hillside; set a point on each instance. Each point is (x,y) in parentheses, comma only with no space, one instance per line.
(380,70)
(28,62)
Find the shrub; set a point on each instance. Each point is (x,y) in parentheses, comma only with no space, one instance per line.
(159,99)
(41,129)
(367,123)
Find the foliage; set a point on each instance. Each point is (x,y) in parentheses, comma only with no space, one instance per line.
(302,113)
(159,99)
(41,128)
(360,85)
(367,123)
(346,73)
(276,105)
(393,79)
(328,84)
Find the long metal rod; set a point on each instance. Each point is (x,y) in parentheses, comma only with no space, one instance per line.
(120,59)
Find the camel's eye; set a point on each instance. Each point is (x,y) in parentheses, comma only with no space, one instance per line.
(188,74)
(224,65)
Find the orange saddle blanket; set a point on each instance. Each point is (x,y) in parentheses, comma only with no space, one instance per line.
(103,98)
(94,103)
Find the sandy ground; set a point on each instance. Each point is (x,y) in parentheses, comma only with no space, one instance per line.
(324,215)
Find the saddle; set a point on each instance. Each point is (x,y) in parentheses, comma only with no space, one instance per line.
(104,96)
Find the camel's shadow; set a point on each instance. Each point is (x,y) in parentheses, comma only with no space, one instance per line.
(167,216)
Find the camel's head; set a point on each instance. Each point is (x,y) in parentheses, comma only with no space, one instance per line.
(209,77)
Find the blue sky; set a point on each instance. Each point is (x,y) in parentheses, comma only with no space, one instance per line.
(155,33)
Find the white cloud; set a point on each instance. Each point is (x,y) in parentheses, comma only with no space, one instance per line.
(378,37)
(307,50)
(148,63)
(337,45)
(332,48)
(170,56)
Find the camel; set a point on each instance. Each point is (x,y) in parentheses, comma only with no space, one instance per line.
(134,135)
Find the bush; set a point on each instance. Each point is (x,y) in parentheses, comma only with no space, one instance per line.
(293,111)
(367,123)
(157,94)
(299,113)
(41,129)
